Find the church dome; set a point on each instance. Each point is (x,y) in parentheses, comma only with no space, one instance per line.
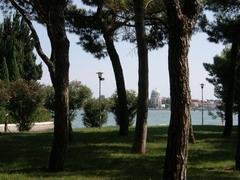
(155,93)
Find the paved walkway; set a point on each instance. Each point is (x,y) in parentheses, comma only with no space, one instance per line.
(41,126)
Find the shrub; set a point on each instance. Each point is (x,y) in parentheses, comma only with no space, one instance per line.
(131,105)
(91,115)
(3,114)
(78,94)
(42,115)
(4,98)
(25,98)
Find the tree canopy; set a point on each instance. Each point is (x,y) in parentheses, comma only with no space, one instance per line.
(225,25)
(219,73)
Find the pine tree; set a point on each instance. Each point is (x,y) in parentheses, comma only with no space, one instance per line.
(225,28)
(181,19)
(98,33)
(139,145)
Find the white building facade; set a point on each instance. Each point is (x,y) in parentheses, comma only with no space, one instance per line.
(155,99)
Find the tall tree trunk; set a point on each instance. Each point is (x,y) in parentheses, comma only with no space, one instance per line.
(230,91)
(60,57)
(70,131)
(181,20)
(6,125)
(58,66)
(178,132)
(191,133)
(120,84)
(227,131)
(139,145)
(237,158)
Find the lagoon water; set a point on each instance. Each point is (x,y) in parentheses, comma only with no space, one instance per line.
(161,117)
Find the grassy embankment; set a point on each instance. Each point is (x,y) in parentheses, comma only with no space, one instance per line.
(101,154)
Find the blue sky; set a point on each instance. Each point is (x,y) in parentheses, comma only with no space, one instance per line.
(83,66)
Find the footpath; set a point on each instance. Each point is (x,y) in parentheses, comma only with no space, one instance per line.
(39,126)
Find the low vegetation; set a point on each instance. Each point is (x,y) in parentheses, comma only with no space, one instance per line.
(101,154)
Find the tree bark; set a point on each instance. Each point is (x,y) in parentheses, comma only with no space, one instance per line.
(60,57)
(139,145)
(237,158)
(5,125)
(120,84)
(227,131)
(230,91)
(191,133)
(178,132)
(181,21)
(70,131)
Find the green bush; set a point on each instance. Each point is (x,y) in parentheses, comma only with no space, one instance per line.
(3,114)
(42,115)
(4,98)
(78,94)
(91,115)
(131,105)
(25,99)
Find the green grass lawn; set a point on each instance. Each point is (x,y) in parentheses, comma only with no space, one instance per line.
(101,154)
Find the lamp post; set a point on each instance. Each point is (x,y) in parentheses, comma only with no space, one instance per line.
(99,98)
(202,85)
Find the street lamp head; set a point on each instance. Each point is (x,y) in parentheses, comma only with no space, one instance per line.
(202,85)
(100,76)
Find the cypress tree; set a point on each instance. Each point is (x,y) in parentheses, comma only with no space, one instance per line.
(4,72)
(29,68)
(16,45)
(13,67)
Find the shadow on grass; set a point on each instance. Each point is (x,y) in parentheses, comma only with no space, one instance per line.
(212,156)
(212,174)
(107,154)
(93,153)
(24,149)
(102,153)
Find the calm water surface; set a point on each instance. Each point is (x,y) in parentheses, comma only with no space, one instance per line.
(161,117)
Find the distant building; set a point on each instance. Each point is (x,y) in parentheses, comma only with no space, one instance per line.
(208,104)
(155,99)
(195,103)
(211,104)
(166,102)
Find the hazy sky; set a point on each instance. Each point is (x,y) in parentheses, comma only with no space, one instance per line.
(83,66)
